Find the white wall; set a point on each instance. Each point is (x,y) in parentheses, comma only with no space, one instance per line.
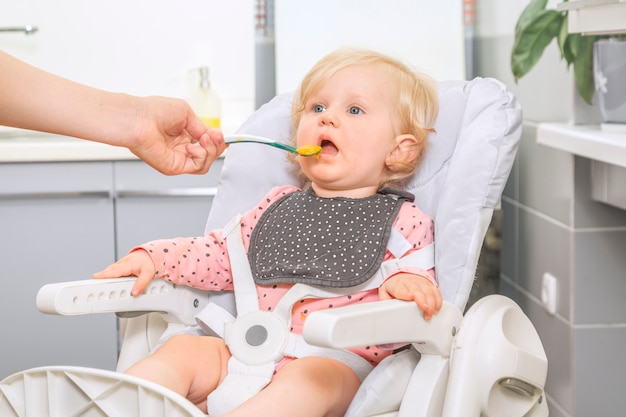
(428,34)
(140,47)
(497,17)
(146,47)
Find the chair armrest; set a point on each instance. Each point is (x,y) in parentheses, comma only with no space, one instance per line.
(383,322)
(178,304)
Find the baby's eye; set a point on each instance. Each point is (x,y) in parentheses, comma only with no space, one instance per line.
(318,108)
(355,110)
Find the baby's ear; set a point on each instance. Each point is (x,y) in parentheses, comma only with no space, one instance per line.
(406,150)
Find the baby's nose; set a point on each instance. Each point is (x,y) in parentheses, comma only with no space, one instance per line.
(328,118)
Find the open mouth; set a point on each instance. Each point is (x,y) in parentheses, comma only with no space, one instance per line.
(328,148)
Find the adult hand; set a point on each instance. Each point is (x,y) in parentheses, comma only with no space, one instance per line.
(171,138)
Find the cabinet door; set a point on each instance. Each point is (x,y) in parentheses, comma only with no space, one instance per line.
(149,205)
(56,224)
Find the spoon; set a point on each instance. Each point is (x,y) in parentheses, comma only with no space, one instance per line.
(306,150)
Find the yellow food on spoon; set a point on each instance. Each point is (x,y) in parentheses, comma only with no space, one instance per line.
(309,150)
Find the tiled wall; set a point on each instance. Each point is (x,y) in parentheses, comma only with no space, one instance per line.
(551,224)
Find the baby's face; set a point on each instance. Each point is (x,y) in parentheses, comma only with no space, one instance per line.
(351,118)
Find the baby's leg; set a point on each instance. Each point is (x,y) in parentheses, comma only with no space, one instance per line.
(306,387)
(192,366)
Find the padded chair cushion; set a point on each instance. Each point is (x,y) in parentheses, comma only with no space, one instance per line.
(459,182)
(383,389)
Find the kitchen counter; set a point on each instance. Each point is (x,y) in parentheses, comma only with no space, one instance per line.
(18,145)
(588,141)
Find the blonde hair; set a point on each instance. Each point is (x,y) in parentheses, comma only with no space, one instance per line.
(414,94)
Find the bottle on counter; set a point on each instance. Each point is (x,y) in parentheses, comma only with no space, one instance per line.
(203,99)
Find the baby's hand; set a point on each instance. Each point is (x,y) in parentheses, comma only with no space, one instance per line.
(138,264)
(416,288)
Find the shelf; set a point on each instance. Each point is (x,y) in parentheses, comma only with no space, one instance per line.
(595,17)
(588,141)
(580,4)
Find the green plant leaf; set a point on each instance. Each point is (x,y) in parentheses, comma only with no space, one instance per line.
(532,36)
(534,31)
(571,47)
(564,41)
(583,68)
(529,14)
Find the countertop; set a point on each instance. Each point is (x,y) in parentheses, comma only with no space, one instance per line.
(18,145)
(589,141)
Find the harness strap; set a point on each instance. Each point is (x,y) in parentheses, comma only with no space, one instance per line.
(423,258)
(247,377)
(397,244)
(213,316)
(242,383)
(213,319)
(246,297)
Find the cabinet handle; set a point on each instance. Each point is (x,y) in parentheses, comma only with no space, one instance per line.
(59,194)
(170,192)
(27,29)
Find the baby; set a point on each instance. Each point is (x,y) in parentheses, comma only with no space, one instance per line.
(371,115)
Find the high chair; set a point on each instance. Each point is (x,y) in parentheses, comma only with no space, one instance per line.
(487,362)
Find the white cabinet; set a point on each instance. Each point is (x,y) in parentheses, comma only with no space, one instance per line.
(151,206)
(56,224)
(63,221)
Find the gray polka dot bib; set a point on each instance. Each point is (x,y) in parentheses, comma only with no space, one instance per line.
(337,242)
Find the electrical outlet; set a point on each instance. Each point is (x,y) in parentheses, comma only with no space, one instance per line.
(549,292)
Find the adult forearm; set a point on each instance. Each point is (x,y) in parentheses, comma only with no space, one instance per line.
(162,131)
(35,99)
